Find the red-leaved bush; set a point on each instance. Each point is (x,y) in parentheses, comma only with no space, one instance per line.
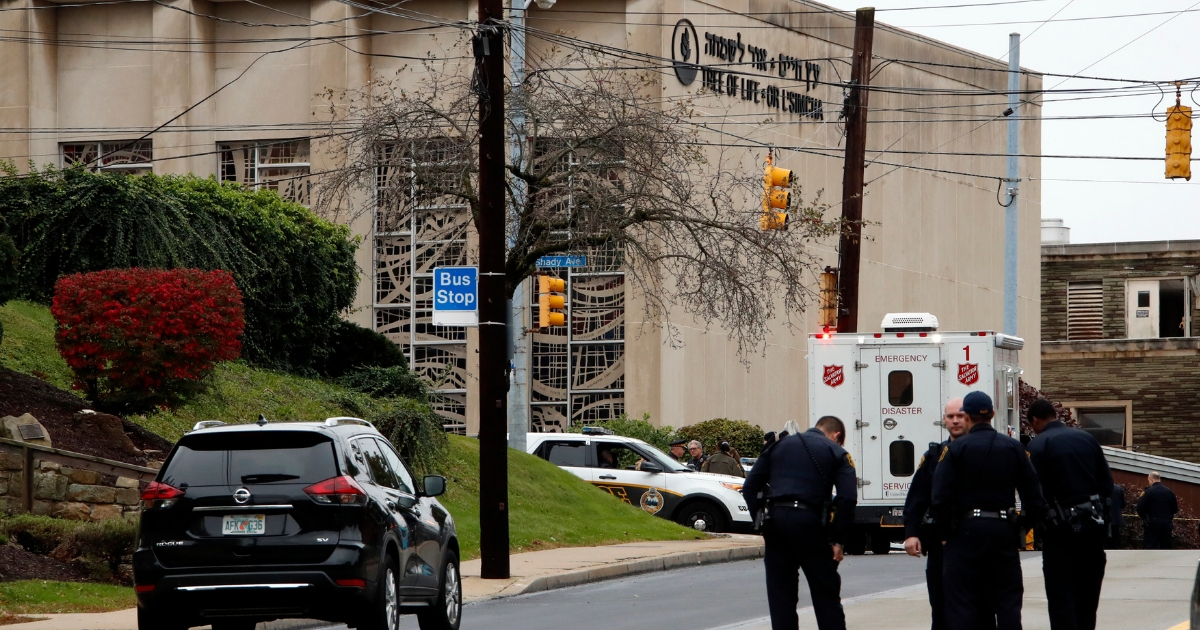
(142,337)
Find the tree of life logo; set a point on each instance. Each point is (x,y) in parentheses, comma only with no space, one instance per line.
(685,51)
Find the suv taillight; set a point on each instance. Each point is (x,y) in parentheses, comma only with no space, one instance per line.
(337,491)
(160,495)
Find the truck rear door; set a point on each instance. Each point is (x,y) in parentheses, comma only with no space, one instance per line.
(905,391)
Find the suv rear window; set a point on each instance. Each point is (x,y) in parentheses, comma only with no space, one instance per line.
(244,458)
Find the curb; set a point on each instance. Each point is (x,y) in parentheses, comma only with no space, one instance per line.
(648,565)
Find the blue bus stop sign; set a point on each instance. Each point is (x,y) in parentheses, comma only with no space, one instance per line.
(456,296)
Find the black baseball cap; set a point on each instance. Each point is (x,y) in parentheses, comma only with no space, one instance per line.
(977,404)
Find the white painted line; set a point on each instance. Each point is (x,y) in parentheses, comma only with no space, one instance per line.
(752,623)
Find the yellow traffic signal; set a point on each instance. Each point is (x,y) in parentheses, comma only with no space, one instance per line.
(775,197)
(1179,142)
(551,301)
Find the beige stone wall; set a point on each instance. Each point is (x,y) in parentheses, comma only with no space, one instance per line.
(63,492)
(936,239)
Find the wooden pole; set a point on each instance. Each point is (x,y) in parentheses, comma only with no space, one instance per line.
(493,333)
(850,243)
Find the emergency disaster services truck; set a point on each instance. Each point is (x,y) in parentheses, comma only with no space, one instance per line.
(890,388)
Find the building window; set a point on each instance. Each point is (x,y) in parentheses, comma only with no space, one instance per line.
(135,157)
(1109,421)
(1157,308)
(1085,310)
(282,166)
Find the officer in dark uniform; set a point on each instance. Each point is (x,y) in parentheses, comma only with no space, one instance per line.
(1077,484)
(919,534)
(799,472)
(1157,508)
(973,494)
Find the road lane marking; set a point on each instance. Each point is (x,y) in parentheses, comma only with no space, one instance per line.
(750,623)
(1183,626)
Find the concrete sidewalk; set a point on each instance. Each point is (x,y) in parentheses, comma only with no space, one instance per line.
(1143,590)
(531,572)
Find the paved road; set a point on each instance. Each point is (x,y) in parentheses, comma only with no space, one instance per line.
(704,597)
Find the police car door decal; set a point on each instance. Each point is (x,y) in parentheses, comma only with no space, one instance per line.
(909,411)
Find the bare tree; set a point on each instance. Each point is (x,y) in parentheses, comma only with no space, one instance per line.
(604,167)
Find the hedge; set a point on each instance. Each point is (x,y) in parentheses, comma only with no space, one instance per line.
(296,271)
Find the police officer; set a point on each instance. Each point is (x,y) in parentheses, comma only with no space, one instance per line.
(678,451)
(798,473)
(973,490)
(919,535)
(1077,484)
(1157,508)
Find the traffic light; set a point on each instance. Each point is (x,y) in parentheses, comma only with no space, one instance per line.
(551,301)
(775,197)
(828,285)
(1179,142)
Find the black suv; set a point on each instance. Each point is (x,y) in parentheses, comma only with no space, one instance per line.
(266,521)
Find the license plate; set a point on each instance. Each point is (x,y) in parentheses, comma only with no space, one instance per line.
(244,525)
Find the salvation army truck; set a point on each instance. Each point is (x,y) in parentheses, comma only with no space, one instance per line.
(890,388)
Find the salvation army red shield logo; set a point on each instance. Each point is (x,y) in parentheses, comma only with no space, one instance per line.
(833,375)
(968,373)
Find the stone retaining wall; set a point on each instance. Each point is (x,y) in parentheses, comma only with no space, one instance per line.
(63,492)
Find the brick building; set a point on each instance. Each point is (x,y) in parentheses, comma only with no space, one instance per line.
(1121,341)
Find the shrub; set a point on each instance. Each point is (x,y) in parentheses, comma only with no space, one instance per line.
(296,271)
(638,428)
(356,347)
(417,433)
(99,547)
(142,336)
(385,382)
(745,437)
(8,268)
(37,534)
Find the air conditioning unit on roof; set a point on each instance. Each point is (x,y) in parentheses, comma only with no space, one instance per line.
(909,322)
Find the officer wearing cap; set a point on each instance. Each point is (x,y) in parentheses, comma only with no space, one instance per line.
(678,451)
(798,474)
(973,493)
(1077,484)
(919,534)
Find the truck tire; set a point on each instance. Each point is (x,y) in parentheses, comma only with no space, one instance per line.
(856,542)
(881,542)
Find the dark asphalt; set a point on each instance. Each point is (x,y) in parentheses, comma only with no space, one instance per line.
(702,597)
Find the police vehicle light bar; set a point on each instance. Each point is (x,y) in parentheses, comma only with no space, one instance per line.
(597,431)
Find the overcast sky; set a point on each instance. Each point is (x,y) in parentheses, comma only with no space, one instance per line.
(1131,201)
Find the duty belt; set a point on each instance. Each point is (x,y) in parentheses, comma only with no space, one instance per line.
(800,505)
(1002,515)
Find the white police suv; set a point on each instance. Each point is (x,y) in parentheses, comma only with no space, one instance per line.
(645,477)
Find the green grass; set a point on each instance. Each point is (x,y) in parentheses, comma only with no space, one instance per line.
(237,393)
(548,507)
(28,344)
(38,597)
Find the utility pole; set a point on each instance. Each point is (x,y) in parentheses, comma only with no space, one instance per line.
(518,349)
(493,336)
(850,243)
(1013,180)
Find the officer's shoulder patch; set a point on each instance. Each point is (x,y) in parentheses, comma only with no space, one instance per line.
(945,449)
(922,462)
(850,460)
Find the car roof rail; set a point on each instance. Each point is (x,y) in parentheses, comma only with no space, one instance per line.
(333,422)
(207,424)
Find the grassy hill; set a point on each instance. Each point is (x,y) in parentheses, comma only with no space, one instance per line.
(548,507)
